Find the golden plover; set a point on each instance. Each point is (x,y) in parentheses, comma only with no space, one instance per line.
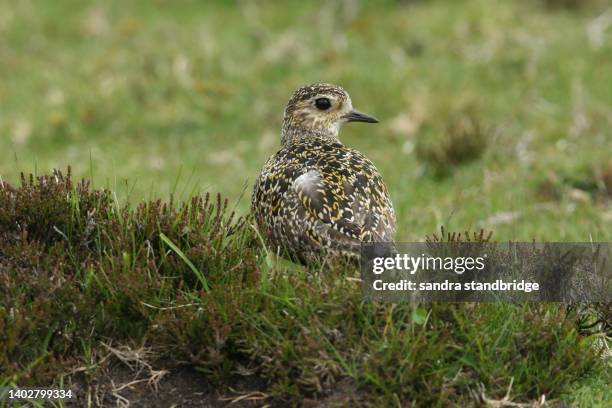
(316,196)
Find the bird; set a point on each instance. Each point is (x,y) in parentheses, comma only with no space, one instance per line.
(316,197)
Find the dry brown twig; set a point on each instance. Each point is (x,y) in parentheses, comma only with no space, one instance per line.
(247,396)
(136,361)
(506,401)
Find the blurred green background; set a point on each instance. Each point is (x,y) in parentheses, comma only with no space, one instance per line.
(157,97)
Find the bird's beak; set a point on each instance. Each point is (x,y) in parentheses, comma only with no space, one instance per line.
(356,116)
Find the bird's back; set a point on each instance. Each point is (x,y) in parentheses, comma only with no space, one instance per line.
(316,197)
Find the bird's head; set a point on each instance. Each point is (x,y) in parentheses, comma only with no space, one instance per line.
(319,110)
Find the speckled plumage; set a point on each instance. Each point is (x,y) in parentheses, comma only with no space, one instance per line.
(316,196)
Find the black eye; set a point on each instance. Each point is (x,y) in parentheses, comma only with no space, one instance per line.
(322,103)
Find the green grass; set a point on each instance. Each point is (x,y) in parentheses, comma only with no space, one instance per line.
(150,99)
(79,273)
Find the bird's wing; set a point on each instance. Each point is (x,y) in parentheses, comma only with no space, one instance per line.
(349,207)
(325,200)
(372,206)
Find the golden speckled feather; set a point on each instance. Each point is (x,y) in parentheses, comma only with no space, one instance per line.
(316,196)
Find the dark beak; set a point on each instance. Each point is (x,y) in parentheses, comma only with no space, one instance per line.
(356,116)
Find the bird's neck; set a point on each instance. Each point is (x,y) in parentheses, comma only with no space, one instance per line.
(291,134)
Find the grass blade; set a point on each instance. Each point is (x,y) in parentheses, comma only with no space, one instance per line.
(182,255)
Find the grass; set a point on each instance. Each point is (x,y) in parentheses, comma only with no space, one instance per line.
(99,274)
(148,100)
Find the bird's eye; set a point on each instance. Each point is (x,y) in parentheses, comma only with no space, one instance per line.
(322,103)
